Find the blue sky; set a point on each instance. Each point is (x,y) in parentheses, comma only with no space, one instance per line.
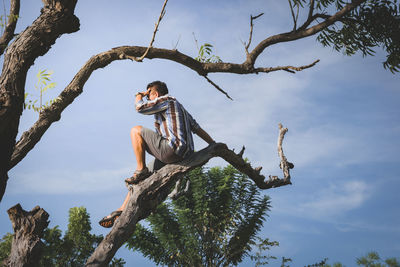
(342,115)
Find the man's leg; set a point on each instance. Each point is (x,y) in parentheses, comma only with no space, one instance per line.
(138,145)
(109,220)
(125,201)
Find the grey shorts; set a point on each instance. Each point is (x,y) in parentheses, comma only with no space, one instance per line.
(158,146)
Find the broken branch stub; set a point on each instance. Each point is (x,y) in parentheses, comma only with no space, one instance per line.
(28,228)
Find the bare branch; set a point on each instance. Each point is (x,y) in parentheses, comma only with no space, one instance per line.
(284,165)
(218,88)
(293,16)
(297,13)
(177,42)
(8,34)
(251,31)
(140,59)
(290,69)
(311,10)
(196,42)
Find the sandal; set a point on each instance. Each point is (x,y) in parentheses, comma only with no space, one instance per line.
(138,176)
(109,220)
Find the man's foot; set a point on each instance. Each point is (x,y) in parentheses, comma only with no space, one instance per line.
(138,176)
(109,220)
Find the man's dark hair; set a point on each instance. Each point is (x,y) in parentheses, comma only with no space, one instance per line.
(161,87)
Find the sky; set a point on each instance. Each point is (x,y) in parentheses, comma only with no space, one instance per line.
(342,115)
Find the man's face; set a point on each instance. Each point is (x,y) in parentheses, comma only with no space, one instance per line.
(153,94)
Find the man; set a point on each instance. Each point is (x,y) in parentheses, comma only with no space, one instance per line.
(172,141)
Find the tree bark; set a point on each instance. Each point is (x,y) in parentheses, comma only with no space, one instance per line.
(57,17)
(28,228)
(8,34)
(148,194)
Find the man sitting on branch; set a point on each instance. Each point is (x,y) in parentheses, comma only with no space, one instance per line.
(170,143)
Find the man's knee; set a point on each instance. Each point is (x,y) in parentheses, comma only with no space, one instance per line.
(135,131)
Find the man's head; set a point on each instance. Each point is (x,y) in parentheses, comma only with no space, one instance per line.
(156,89)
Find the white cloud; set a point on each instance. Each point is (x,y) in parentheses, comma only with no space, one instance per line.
(330,203)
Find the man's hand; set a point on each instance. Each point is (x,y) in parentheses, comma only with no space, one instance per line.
(205,136)
(139,95)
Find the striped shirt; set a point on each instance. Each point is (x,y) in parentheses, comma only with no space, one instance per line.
(172,122)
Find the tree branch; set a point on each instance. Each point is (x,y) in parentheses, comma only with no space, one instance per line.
(311,10)
(304,32)
(148,194)
(162,13)
(8,34)
(218,88)
(293,16)
(251,31)
(290,69)
(56,18)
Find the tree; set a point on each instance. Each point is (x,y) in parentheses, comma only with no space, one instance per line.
(214,224)
(337,22)
(72,249)
(372,259)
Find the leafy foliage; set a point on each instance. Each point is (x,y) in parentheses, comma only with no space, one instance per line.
(5,246)
(372,259)
(205,54)
(214,224)
(42,85)
(264,245)
(284,261)
(374,23)
(71,250)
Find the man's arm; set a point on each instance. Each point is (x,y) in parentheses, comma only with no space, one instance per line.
(204,135)
(152,106)
(139,96)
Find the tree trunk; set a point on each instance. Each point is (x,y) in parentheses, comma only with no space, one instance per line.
(28,228)
(57,17)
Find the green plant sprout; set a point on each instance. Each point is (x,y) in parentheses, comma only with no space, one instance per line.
(42,85)
(205,54)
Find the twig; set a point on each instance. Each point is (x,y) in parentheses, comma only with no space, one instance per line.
(290,69)
(176,45)
(310,17)
(140,59)
(251,31)
(195,41)
(293,16)
(218,88)
(311,10)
